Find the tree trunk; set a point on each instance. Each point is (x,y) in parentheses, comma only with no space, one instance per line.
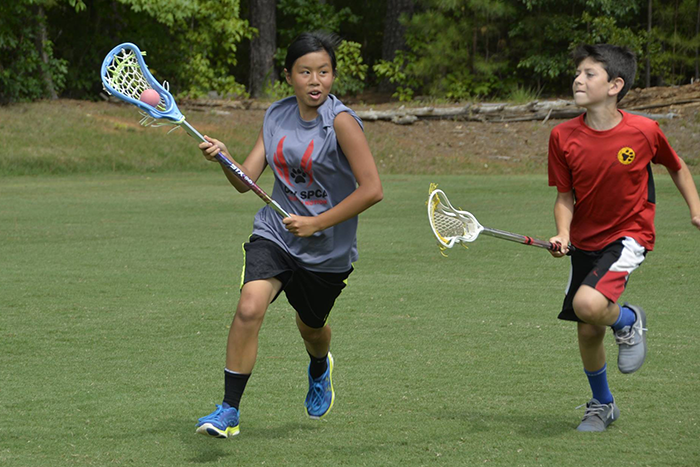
(697,32)
(673,47)
(648,67)
(263,46)
(40,43)
(394,33)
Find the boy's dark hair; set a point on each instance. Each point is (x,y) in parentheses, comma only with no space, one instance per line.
(617,62)
(308,42)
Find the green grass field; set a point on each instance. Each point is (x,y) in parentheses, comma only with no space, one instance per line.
(116,291)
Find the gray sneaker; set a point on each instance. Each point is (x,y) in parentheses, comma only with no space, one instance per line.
(598,416)
(632,342)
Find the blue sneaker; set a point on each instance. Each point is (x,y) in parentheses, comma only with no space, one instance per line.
(221,423)
(321,395)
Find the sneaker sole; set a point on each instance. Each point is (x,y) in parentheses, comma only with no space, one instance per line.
(210,430)
(330,377)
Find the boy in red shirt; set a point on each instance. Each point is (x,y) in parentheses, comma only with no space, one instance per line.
(600,163)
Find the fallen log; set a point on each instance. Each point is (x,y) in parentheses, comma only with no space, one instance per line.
(491,112)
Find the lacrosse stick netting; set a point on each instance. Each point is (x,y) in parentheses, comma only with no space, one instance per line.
(450,225)
(125,75)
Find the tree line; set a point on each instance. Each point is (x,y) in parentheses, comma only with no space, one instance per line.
(444,49)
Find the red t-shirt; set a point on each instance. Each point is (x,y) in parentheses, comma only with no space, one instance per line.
(610,175)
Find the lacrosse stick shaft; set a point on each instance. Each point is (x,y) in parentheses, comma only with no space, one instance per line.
(524,239)
(223,160)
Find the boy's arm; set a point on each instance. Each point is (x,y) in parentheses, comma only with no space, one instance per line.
(563,214)
(685,184)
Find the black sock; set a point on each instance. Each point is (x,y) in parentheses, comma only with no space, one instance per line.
(318,366)
(234,385)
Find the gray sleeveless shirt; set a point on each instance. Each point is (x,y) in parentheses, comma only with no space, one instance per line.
(311,176)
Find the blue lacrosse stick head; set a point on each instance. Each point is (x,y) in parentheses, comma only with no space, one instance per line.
(125,75)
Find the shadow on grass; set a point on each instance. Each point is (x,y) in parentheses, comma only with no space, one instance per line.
(541,425)
(208,450)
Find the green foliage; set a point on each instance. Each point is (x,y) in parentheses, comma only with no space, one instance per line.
(192,44)
(278,90)
(351,72)
(522,95)
(605,29)
(674,41)
(398,71)
(206,33)
(21,65)
(456,49)
(443,59)
(297,16)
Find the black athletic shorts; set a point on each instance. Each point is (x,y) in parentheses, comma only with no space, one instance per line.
(312,294)
(606,270)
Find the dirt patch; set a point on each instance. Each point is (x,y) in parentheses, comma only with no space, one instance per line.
(462,147)
(454,146)
(676,99)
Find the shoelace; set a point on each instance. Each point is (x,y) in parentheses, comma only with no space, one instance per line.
(629,337)
(213,416)
(317,393)
(593,409)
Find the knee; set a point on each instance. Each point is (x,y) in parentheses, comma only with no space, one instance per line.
(589,309)
(249,312)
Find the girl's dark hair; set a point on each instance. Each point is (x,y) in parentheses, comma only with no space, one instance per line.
(617,62)
(308,42)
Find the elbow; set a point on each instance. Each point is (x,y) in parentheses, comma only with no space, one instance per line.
(377,195)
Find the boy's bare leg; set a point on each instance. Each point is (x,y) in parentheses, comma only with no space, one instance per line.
(601,410)
(593,307)
(590,344)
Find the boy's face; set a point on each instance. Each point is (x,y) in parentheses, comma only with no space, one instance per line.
(591,86)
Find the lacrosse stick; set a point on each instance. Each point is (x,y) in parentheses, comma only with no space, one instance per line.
(452,226)
(125,75)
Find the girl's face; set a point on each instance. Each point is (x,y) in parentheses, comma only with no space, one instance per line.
(311,77)
(591,85)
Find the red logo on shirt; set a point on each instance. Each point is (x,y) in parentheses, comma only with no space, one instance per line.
(298,176)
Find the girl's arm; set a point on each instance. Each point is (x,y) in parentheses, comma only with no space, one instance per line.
(685,184)
(368,192)
(253,165)
(563,214)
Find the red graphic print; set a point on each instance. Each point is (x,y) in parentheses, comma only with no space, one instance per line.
(281,162)
(306,162)
(282,167)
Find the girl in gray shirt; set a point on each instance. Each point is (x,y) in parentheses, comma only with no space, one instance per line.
(325,176)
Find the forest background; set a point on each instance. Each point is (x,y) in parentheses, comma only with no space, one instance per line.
(444,50)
